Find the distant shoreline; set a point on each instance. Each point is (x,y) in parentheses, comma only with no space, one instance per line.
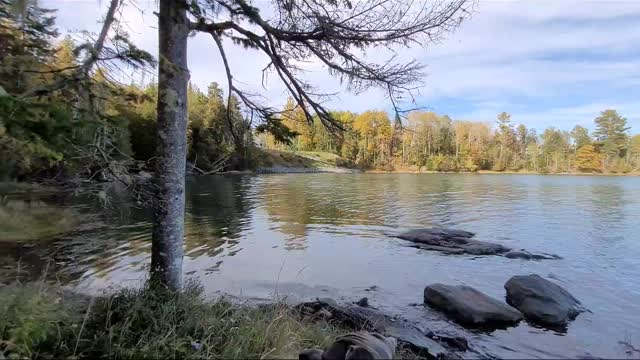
(492,172)
(343,170)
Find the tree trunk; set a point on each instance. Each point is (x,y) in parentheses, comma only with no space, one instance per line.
(168,215)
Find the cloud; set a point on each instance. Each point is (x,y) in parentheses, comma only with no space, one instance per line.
(548,63)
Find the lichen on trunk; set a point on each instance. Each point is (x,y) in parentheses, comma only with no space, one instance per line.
(173,77)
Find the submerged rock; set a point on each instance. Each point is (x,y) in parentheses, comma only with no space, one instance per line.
(542,301)
(469,306)
(525,255)
(455,342)
(451,241)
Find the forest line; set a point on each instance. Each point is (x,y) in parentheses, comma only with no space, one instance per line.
(84,129)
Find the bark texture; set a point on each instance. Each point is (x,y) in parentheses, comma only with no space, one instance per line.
(168,215)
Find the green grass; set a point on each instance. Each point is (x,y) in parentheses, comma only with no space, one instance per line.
(27,223)
(39,321)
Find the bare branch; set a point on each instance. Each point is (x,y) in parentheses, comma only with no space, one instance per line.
(333,32)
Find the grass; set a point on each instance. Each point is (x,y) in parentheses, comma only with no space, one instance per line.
(40,321)
(20,221)
(300,159)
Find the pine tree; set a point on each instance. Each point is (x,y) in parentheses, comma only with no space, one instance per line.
(611,132)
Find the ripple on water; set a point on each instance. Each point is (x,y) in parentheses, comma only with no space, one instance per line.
(326,235)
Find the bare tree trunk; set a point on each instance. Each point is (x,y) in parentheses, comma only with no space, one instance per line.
(168,215)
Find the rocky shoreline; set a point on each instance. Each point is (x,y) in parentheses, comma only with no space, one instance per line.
(531,298)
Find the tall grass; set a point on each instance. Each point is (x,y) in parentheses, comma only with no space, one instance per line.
(39,321)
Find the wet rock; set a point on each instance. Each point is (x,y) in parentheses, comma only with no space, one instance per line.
(364,302)
(525,255)
(451,241)
(355,345)
(456,342)
(418,343)
(469,306)
(360,318)
(542,301)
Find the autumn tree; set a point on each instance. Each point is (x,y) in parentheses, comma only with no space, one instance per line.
(634,151)
(588,159)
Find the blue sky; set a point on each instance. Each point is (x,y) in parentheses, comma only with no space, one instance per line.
(548,63)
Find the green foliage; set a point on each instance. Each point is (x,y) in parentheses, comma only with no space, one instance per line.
(611,132)
(33,318)
(76,125)
(580,136)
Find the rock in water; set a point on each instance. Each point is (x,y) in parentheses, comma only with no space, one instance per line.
(542,301)
(451,241)
(525,255)
(419,343)
(355,345)
(368,319)
(469,306)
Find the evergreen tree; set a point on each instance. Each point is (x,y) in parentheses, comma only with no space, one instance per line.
(611,133)
(580,136)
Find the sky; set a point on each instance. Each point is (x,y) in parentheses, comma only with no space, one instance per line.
(547,63)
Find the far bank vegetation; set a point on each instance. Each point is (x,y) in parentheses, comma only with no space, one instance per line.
(54,135)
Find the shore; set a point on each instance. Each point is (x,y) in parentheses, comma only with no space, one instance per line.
(287,162)
(41,320)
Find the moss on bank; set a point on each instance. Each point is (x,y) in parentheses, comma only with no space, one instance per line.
(20,221)
(39,321)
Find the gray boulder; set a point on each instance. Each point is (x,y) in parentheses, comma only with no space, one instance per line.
(451,241)
(542,301)
(469,306)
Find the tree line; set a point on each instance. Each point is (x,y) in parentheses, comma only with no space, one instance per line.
(85,127)
(54,132)
(435,142)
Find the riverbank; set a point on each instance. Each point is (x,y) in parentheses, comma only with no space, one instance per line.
(41,321)
(282,162)
(492,172)
(38,320)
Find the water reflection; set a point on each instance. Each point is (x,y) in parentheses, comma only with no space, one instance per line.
(326,235)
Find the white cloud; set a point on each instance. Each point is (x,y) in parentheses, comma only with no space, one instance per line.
(535,49)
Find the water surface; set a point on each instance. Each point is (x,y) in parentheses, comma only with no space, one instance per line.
(308,235)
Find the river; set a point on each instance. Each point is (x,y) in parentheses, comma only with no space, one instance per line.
(326,235)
